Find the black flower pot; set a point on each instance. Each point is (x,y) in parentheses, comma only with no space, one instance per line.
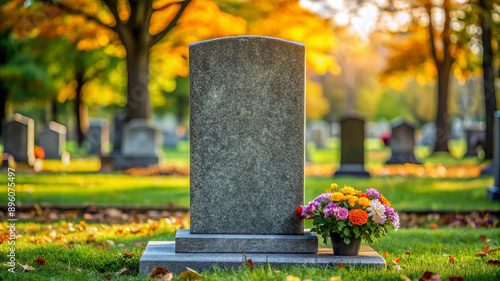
(342,249)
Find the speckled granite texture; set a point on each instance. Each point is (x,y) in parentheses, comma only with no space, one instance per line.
(247,135)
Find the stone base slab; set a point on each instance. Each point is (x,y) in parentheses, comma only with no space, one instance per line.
(494,193)
(162,254)
(402,158)
(185,242)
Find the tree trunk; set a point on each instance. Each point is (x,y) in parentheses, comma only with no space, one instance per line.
(442,126)
(138,104)
(490,101)
(80,110)
(53,110)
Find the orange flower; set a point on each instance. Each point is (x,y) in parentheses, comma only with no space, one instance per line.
(364,195)
(364,202)
(384,201)
(358,217)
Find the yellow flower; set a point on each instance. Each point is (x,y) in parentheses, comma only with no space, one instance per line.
(348,190)
(364,202)
(384,201)
(337,196)
(292,278)
(352,200)
(335,278)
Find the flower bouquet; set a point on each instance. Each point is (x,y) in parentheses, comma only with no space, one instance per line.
(347,216)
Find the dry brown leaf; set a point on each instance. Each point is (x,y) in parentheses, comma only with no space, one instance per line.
(404,278)
(483,238)
(168,277)
(276,271)
(190,274)
(26,267)
(107,276)
(157,271)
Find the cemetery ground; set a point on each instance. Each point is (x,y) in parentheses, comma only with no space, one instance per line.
(79,249)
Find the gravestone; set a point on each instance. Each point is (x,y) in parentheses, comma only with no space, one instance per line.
(352,148)
(428,133)
(98,138)
(402,143)
(19,138)
(141,145)
(494,191)
(53,140)
(457,129)
(247,159)
(476,136)
(318,133)
(116,134)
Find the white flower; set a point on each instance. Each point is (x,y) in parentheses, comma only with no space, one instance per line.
(395,223)
(377,211)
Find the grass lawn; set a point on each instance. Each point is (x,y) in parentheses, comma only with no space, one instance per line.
(91,256)
(405,193)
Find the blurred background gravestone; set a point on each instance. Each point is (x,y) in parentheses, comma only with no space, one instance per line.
(352,148)
(98,137)
(19,138)
(475,135)
(53,140)
(402,143)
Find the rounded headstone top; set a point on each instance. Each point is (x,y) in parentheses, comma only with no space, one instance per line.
(352,116)
(19,118)
(56,127)
(244,38)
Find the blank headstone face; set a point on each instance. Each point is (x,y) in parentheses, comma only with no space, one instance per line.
(402,138)
(53,140)
(140,139)
(98,138)
(19,138)
(352,137)
(475,137)
(247,135)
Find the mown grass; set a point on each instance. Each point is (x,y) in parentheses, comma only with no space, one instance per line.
(430,250)
(405,193)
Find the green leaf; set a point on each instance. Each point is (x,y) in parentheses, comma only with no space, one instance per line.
(347,240)
(346,231)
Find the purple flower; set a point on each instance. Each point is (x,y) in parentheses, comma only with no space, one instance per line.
(310,208)
(329,209)
(341,213)
(372,192)
(393,216)
(323,197)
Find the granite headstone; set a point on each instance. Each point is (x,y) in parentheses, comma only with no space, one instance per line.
(402,143)
(352,148)
(476,136)
(19,138)
(98,138)
(53,140)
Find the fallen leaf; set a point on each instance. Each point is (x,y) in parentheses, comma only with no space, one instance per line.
(404,278)
(385,254)
(397,268)
(123,271)
(168,277)
(190,274)
(250,263)
(276,271)
(26,267)
(39,260)
(456,278)
(433,226)
(430,276)
(496,262)
(157,271)
(452,259)
(79,270)
(408,252)
(335,278)
(483,238)
(107,276)
(341,265)
(397,260)
(486,251)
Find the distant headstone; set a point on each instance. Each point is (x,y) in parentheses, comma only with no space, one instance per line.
(53,140)
(457,129)
(19,138)
(168,127)
(402,143)
(318,133)
(334,130)
(494,191)
(98,138)
(428,135)
(352,149)
(476,136)
(247,150)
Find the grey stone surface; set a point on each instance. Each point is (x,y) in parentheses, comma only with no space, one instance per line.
(494,191)
(352,148)
(140,139)
(428,135)
(402,143)
(476,136)
(53,140)
(19,138)
(98,138)
(185,242)
(162,254)
(246,135)
(116,132)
